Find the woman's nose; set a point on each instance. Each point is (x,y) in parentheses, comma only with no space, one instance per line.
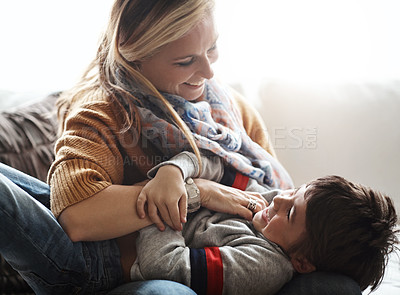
(206,69)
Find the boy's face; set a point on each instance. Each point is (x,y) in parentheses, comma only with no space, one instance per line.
(284,220)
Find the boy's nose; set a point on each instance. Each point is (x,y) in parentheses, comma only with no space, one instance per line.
(277,201)
(280,201)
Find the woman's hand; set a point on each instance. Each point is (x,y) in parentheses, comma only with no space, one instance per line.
(165,196)
(225,199)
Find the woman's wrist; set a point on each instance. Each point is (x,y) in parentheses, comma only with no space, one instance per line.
(201,185)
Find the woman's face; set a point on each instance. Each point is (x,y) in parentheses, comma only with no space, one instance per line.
(182,66)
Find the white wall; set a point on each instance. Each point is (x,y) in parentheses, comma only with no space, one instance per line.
(349,129)
(308,40)
(46,44)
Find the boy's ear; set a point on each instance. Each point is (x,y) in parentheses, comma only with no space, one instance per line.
(301,264)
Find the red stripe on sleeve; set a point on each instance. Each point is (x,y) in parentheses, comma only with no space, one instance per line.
(215,272)
(240,181)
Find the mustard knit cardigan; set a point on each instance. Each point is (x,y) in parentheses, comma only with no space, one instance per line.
(93,154)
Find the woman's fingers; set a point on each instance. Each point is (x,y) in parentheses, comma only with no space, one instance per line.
(260,205)
(244,212)
(221,198)
(246,209)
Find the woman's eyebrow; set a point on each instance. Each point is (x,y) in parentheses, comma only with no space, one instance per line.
(193,55)
(184,57)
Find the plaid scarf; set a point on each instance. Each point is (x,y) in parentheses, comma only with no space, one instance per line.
(217,127)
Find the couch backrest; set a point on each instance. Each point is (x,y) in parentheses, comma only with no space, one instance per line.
(27,136)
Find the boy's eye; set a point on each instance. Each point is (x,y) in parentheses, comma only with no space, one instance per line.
(213,47)
(288,213)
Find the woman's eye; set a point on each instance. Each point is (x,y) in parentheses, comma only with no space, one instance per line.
(185,63)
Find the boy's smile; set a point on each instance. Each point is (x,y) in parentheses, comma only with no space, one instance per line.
(265,215)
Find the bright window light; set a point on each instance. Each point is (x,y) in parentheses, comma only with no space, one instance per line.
(46,44)
(310,40)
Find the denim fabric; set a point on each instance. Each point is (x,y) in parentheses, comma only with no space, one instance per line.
(152,287)
(317,283)
(33,243)
(34,187)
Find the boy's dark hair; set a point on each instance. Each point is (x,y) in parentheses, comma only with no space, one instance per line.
(350,229)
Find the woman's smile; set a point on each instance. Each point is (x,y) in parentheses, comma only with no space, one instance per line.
(195,85)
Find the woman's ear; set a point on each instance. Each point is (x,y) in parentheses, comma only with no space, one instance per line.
(302,265)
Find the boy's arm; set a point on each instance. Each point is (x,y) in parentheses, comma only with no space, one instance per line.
(235,261)
(214,169)
(161,255)
(212,166)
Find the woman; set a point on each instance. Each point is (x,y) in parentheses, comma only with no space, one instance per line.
(154,60)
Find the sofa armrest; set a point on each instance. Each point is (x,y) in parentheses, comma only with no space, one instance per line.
(27,136)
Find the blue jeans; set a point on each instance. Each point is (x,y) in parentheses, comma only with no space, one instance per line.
(33,242)
(152,287)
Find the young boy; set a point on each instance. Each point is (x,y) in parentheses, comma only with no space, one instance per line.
(329,224)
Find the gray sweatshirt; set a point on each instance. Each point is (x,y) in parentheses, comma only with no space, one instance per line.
(216,253)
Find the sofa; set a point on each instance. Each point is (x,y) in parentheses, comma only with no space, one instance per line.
(27,135)
(351,130)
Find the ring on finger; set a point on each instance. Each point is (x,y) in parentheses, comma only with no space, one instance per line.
(252,205)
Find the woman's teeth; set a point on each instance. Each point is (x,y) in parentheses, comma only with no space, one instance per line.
(195,84)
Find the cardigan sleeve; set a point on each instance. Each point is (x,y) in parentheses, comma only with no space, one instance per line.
(89,155)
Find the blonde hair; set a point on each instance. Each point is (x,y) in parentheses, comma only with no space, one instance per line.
(137,30)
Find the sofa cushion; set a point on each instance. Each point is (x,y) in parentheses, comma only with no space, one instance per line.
(10,281)
(27,136)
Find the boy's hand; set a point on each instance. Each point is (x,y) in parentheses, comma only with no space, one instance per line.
(165,196)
